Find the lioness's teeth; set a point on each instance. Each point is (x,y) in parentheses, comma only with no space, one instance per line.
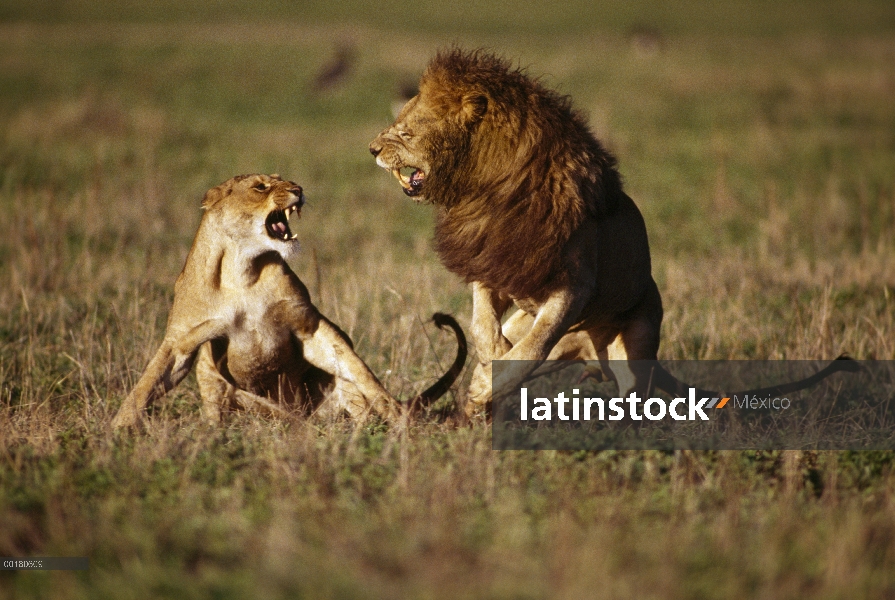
(285,236)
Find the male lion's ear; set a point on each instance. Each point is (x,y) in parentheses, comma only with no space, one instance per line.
(474,107)
(215,194)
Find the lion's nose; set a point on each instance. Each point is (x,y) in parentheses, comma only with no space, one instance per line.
(375,149)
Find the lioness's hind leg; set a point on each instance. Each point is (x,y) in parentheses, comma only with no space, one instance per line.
(329,349)
(345,397)
(218,394)
(216,391)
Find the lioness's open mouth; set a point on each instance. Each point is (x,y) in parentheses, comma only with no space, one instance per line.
(277,222)
(412,183)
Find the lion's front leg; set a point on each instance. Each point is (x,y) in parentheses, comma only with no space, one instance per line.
(572,346)
(487,309)
(359,390)
(490,343)
(553,320)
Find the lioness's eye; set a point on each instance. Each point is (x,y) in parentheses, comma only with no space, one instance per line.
(261,186)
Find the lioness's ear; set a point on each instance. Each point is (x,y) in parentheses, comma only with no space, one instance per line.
(474,107)
(215,194)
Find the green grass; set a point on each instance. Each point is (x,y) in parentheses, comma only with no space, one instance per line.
(757,138)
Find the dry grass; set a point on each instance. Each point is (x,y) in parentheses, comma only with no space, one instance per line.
(763,166)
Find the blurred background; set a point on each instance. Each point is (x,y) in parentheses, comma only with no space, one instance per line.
(733,110)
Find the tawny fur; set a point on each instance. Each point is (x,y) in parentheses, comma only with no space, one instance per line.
(241,310)
(530,210)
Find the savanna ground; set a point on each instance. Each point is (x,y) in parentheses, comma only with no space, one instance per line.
(757,138)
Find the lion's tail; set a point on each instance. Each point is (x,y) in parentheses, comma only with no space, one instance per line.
(440,387)
(668,382)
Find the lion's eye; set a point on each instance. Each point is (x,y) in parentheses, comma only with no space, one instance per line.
(405,135)
(261,187)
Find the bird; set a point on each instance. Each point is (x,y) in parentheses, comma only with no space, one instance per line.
(336,71)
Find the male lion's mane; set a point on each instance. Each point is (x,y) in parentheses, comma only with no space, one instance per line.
(530,209)
(513,178)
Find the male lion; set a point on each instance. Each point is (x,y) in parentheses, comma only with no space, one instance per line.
(531,211)
(259,340)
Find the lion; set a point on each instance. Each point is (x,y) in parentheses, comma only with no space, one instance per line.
(241,310)
(530,210)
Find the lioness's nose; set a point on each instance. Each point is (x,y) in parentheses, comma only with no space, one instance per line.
(296,191)
(375,148)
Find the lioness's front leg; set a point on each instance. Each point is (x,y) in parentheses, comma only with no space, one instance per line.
(168,367)
(328,349)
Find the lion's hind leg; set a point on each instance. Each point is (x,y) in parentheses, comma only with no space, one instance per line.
(631,355)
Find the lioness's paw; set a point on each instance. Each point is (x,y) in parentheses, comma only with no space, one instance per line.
(126,418)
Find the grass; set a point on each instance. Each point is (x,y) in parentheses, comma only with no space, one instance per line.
(759,144)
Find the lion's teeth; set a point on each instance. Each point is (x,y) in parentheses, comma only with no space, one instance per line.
(403,179)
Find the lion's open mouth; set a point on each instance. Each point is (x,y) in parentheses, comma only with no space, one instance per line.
(412,182)
(277,222)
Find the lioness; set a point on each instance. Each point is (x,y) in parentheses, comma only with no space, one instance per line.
(530,210)
(259,340)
